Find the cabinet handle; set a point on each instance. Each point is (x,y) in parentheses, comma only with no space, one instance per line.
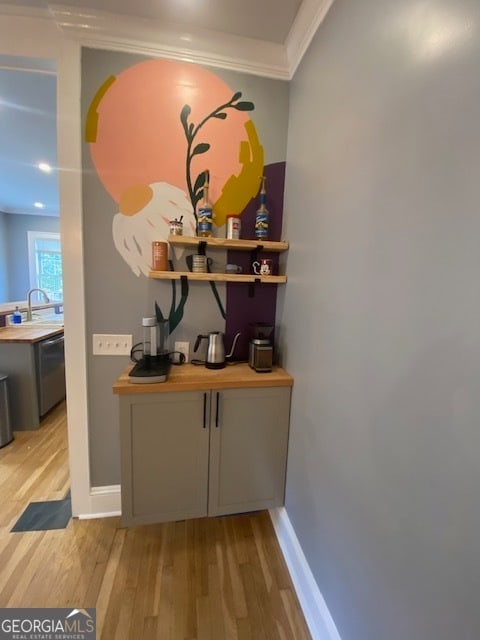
(204,410)
(216,416)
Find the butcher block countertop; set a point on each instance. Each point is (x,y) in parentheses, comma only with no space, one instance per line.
(28,334)
(189,377)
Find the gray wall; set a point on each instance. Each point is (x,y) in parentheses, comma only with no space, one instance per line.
(3,258)
(17,228)
(382,212)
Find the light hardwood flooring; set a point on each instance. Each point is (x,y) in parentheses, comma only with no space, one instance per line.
(205,579)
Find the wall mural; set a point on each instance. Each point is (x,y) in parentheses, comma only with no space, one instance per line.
(153,131)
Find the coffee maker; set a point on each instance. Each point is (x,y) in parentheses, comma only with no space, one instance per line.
(154,363)
(260,349)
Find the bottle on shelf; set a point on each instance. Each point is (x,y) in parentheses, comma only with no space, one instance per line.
(261,218)
(205,212)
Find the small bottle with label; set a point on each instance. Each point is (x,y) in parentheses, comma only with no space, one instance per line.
(261,219)
(17,316)
(205,212)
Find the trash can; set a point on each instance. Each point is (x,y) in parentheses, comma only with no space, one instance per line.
(6,435)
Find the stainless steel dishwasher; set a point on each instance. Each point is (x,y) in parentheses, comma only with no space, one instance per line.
(50,363)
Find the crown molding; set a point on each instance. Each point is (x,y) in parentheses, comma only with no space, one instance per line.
(102,30)
(156,38)
(309,17)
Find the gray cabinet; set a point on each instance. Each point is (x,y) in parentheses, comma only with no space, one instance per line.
(164,456)
(248,449)
(195,453)
(36,378)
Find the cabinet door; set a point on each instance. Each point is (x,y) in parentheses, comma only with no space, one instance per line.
(164,442)
(248,449)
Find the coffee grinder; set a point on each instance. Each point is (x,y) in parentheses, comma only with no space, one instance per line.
(154,364)
(260,349)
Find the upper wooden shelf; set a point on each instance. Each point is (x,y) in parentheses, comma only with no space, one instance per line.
(217,277)
(228,243)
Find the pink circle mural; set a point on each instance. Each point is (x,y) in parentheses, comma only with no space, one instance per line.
(139,138)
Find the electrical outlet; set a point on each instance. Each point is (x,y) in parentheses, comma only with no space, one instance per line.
(183,347)
(106,344)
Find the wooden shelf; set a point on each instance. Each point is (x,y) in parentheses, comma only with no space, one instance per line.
(217,277)
(227,243)
(223,243)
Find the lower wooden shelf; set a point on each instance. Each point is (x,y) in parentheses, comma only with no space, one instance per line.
(217,277)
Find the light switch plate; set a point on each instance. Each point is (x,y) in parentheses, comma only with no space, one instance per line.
(107,344)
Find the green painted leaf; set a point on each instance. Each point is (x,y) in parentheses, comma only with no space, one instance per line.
(174,301)
(244,106)
(176,315)
(199,182)
(185,112)
(158,313)
(221,116)
(203,147)
(236,96)
(217,299)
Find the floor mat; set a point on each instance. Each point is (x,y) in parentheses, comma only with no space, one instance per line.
(43,516)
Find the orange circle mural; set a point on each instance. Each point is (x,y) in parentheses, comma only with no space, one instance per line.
(137,137)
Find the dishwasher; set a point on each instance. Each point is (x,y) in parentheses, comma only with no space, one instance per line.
(50,365)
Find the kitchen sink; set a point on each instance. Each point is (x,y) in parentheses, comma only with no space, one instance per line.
(50,321)
(43,325)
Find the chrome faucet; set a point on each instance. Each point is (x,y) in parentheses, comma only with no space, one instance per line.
(29,301)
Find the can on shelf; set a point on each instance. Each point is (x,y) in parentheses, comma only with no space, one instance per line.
(234,227)
(159,256)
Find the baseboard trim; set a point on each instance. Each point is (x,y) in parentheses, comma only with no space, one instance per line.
(105,502)
(315,610)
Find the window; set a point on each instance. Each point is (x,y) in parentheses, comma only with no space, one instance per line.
(45,263)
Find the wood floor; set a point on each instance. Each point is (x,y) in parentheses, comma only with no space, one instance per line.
(205,579)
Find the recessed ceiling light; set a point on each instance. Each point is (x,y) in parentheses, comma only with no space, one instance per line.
(44,166)
(39,205)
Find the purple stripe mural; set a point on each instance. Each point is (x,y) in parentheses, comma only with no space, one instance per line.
(243,308)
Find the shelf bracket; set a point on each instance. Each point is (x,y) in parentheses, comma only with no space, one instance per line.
(254,253)
(251,287)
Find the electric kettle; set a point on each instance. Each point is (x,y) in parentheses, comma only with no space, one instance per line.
(216,358)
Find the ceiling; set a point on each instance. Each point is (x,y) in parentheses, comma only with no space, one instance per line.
(269,20)
(28,87)
(28,134)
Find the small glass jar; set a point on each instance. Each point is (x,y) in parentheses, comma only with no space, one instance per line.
(176,227)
